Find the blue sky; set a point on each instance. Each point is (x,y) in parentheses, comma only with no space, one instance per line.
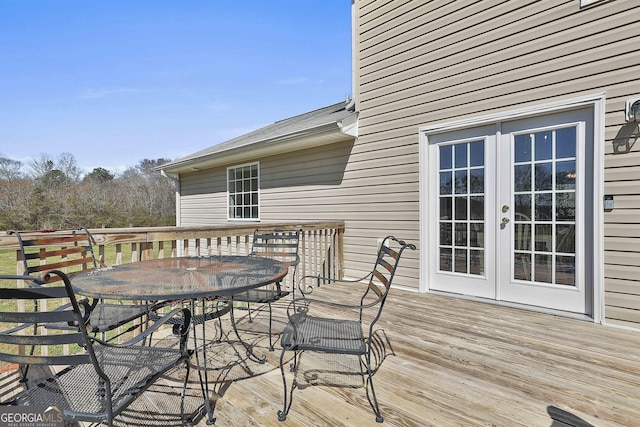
(114,82)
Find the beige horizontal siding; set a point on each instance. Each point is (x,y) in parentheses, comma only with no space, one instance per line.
(325,183)
(424,62)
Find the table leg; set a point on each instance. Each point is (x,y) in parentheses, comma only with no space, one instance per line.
(246,346)
(204,385)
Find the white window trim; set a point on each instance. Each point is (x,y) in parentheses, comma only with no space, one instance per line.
(597,102)
(234,219)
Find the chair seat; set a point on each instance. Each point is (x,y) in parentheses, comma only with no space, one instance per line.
(260,295)
(77,388)
(198,319)
(105,317)
(306,332)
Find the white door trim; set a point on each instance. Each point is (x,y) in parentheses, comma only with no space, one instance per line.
(597,102)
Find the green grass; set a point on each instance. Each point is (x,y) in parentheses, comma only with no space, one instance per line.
(8,266)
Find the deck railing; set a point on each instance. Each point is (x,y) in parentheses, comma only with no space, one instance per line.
(320,244)
(320,249)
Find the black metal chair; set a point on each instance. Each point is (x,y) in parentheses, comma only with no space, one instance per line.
(73,249)
(343,334)
(98,380)
(281,245)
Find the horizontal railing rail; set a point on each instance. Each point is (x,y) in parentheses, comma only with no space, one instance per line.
(320,248)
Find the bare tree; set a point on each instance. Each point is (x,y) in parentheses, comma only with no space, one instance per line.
(9,169)
(41,165)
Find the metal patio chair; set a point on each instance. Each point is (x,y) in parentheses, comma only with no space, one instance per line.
(280,245)
(97,380)
(344,334)
(69,249)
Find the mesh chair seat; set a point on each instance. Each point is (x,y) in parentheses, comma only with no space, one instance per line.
(78,388)
(306,332)
(105,317)
(260,296)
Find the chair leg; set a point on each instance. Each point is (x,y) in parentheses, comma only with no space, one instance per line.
(184,393)
(373,401)
(270,322)
(287,397)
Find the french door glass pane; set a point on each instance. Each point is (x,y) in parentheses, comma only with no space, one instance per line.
(544,206)
(461,213)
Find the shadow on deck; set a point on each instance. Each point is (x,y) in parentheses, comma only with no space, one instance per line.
(439,362)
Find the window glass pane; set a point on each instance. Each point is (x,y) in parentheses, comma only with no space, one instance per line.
(461,155)
(544,238)
(566,238)
(461,234)
(522,237)
(446,232)
(445,157)
(461,261)
(566,270)
(543,268)
(522,178)
(461,208)
(477,180)
(566,206)
(522,148)
(476,263)
(445,182)
(543,144)
(523,207)
(476,235)
(566,175)
(461,182)
(522,266)
(476,208)
(445,259)
(445,208)
(543,208)
(566,143)
(477,153)
(543,180)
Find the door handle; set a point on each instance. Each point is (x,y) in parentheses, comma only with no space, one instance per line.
(505,220)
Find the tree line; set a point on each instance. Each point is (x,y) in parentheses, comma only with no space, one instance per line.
(50,193)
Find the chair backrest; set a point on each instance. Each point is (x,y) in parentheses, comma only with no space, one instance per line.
(66,250)
(24,339)
(384,270)
(281,245)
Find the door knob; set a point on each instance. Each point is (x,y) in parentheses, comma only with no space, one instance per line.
(505,220)
(505,208)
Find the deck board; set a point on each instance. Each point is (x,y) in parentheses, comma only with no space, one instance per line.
(442,362)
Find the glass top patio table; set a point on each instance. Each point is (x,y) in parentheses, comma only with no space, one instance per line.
(179,278)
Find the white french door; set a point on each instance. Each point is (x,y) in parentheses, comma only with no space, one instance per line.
(508,214)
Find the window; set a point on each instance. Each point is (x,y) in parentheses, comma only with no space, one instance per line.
(243,185)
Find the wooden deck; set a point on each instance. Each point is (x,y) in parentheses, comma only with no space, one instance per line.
(442,362)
